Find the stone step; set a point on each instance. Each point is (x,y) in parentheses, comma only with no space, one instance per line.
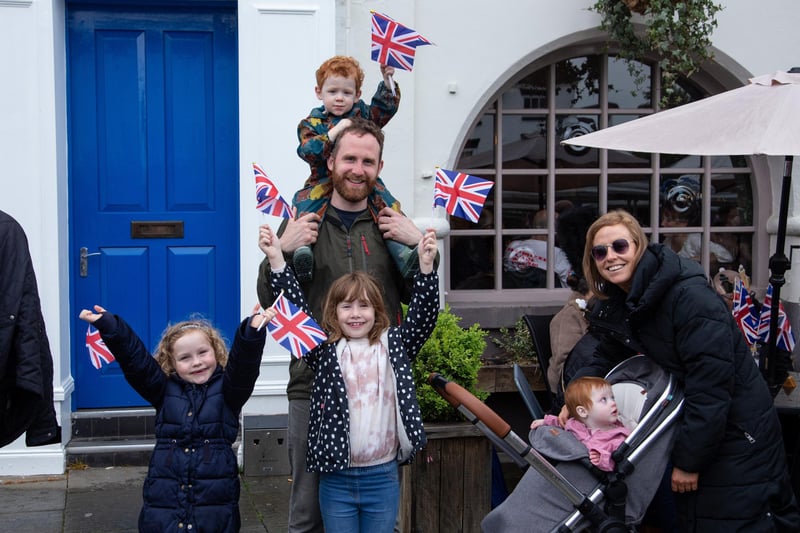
(128,423)
(111,437)
(100,453)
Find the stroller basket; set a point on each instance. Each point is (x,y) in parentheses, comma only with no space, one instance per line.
(647,397)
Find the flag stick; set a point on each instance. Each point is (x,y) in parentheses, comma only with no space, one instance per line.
(391,85)
(270,307)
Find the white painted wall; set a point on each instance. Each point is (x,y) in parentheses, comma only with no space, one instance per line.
(33,188)
(479,46)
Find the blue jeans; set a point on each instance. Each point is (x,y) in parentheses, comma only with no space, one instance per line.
(360,499)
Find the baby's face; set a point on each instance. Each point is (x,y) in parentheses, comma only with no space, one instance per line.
(603,413)
(338,95)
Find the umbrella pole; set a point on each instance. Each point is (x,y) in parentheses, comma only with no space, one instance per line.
(778,265)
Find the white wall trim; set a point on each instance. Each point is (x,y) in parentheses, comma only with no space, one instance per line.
(285,10)
(16,3)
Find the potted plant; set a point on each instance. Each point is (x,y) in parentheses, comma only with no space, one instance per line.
(678,31)
(455,353)
(448,487)
(517,343)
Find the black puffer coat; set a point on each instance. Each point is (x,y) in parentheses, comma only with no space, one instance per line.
(729,431)
(192,484)
(26,366)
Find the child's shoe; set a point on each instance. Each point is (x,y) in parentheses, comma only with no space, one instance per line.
(303,262)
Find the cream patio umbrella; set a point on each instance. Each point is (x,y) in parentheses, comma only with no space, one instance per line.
(761,118)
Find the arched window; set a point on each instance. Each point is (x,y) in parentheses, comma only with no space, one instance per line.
(701,206)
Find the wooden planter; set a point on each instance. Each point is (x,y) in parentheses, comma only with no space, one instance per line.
(448,488)
(637,6)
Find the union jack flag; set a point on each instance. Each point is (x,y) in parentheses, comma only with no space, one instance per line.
(785,335)
(460,194)
(745,312)
(269,199)
(293,329)
(394,44)
(98,351)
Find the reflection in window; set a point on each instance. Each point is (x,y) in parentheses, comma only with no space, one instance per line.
(709,219)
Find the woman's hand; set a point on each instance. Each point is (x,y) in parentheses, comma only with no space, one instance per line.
(683,481)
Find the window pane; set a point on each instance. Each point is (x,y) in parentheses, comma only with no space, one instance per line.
(578,82)
(731,200)
(578,189)
(524,141)
(471,262)
(478,151)
(630,192)
(525,264)
(528,93)
(680,200)
(729,250)
(522,197)
(624,159)
(623,91)
(570,127)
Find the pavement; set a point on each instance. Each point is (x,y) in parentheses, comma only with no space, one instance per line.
(108,500)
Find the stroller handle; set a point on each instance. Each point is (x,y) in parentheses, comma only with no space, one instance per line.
(457,395)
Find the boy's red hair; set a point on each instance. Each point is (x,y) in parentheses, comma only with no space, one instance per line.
(344,66)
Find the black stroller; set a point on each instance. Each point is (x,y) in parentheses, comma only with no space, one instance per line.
(649,401)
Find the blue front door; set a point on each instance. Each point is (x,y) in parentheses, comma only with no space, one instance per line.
(153,175)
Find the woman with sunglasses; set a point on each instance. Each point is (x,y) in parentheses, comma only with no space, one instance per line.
(729,469)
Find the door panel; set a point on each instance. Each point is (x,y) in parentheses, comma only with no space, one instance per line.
(153,124)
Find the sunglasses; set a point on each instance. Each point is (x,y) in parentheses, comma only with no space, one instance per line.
(620,246)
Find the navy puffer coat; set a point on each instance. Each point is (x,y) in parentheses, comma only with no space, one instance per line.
(192,484)
(729,431)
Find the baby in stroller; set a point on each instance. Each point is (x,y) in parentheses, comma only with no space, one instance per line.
(648,402)
(593,419)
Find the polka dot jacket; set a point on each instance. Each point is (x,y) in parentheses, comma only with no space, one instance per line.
(329,425)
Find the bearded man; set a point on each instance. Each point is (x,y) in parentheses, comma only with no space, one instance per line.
(351,234)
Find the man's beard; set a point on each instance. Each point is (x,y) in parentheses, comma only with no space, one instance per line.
(349,193)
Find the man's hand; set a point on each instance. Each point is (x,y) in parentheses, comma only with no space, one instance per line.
(398,227)
(300,232)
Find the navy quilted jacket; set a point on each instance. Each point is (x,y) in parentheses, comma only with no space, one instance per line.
(192,484)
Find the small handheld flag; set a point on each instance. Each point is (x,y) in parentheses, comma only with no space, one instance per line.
(394,44)
(98,351)
(785,340)
(269,199)
(745,312)
(460,194)
(293,329)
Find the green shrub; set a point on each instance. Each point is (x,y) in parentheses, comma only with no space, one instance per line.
(455,353)
(517,343)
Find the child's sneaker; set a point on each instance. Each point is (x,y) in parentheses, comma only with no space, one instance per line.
(303,262)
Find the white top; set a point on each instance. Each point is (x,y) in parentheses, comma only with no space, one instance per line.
(521,255)
(371,400)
